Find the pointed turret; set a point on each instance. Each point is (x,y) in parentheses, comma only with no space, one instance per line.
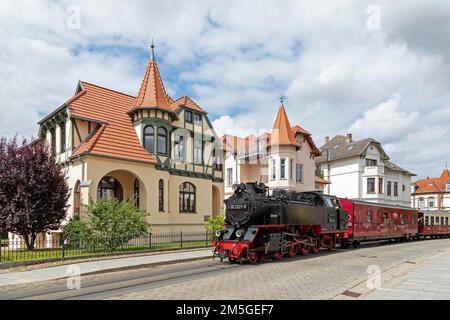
(282,133)
(152,92)
(445,174)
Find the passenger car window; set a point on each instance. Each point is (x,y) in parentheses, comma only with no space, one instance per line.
(369,217)
(402,219)
(385,218)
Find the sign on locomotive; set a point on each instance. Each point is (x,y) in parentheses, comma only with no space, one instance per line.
(288,223)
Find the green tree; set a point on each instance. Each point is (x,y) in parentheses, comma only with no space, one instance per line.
(109,222)
(215,223)
(77,232)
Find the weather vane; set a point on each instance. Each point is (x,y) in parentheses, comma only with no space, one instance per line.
(153,49)
(283,99)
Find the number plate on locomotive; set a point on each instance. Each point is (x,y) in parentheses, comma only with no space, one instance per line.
(238,206)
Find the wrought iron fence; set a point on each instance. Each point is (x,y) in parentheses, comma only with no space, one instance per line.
(61,248)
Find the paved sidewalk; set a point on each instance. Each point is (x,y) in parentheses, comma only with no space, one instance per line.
(430,281)
(53,273)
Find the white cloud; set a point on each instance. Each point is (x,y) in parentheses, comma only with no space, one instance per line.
(238,57)
(386,121)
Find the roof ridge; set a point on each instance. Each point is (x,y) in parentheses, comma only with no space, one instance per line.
(101,87)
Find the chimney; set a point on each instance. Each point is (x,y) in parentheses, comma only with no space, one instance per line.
(327,139)
(349,138)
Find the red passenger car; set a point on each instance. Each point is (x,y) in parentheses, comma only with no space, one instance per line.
(374,221)
(434,224)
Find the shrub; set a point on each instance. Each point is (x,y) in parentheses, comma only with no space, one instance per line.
(215,223)
(110,223)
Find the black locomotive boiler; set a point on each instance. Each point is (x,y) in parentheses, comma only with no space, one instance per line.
(284,223)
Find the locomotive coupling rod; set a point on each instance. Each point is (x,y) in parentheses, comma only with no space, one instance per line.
(306,243)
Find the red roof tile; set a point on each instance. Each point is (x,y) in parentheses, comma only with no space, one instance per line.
(186,102)
(152,92)
(116,136)
(431,185)
(282,133)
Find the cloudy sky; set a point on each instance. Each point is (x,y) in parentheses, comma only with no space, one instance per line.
(372,68)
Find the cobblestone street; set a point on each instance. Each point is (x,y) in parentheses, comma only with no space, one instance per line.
(337,275)
(409,270)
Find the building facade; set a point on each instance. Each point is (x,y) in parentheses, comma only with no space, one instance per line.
(432,194)
(283,158)
(160,151)
(361,170)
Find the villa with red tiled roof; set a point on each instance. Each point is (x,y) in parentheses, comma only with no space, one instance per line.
(432,193)
(283,158)
(158,150)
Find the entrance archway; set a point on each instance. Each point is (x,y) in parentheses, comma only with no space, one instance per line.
(124,186)
(109,188)
(215,201)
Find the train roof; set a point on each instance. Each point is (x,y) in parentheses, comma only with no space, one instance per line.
(377,204)
(435,212)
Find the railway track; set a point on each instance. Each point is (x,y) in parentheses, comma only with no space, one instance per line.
(123,283)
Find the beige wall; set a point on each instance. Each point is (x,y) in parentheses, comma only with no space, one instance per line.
(171,220)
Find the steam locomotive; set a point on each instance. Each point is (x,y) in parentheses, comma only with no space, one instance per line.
(287,222)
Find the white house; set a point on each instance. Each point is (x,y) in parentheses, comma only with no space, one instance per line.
(361,170)
(281,159)
(432,193)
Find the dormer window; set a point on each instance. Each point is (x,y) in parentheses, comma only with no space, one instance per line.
(188,116)
(371,163)
(197,118)
(447,186)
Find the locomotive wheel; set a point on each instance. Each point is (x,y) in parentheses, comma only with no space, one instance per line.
(356,244)
(232,260)
(277,256)
(253,258)
(304,251)
(293,251)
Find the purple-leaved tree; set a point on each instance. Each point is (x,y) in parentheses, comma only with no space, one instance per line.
(33,189)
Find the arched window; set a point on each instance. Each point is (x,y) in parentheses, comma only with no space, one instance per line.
(109,188)
(136,192)
(161,195)
(187,197)
(149,139)
(162,140)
